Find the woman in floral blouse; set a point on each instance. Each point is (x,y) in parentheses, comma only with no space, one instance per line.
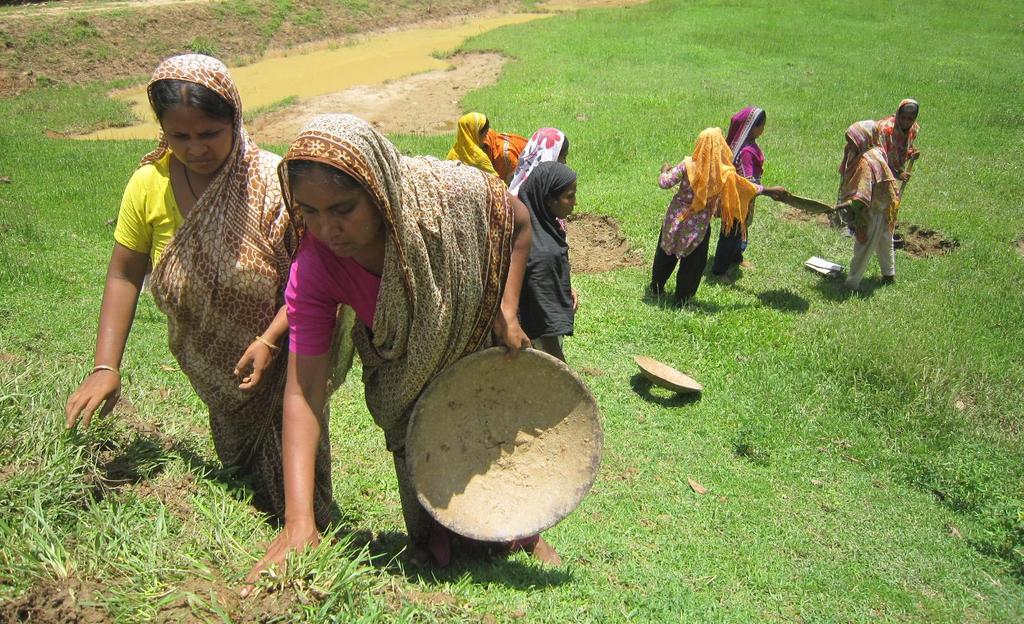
(709,186)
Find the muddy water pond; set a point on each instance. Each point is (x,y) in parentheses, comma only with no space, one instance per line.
(308,74)
(305,75)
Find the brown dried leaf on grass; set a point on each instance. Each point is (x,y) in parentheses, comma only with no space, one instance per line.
(697,487)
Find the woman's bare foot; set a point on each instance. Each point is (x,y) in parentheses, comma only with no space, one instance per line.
(544,552)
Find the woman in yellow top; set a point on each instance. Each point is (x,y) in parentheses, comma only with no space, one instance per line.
(204,210)
(492,152)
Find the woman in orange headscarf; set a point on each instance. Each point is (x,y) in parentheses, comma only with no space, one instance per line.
(709,185)
(476,144)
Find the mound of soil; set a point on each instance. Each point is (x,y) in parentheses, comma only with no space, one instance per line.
(922,242)
(596,245)
(1020,246)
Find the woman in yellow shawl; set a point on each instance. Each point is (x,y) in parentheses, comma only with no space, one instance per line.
(708,186)
(476,144)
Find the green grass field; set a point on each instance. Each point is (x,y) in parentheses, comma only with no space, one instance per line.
(862,453)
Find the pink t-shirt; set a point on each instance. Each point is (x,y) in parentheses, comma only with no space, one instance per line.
(319,282)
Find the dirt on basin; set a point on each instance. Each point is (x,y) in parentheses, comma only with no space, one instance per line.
(386,106)
(597,244)
(923,242)
(63,602)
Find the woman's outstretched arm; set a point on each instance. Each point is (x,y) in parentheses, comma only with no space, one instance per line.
(304,396)
(102,386)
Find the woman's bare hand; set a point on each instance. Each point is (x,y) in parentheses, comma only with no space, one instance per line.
(253,363)
(295,536)
(509,333)
(102,387)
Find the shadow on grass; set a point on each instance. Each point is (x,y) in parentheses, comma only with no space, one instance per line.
(483,563)
(148,455)
(784,300)
(665,398)
(834,289)
(696,305)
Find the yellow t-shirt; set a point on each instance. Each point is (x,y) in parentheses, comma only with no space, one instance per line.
(149,214)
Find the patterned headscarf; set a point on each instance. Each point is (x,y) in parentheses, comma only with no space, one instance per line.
(712,174)
(864,167)
(447,252)
(467,143)
(739,130)
(545,145)
(862,135)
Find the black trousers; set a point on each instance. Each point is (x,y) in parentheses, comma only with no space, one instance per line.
(729,250)
(691,270)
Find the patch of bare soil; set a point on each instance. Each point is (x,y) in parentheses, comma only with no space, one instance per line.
(54,7)
(922,242)
(801,216)
(1020,246)
(172,492)
(63,602)
(8,470)
(10,358)
(597,244)
(397,596)
(189,598)
(386,106)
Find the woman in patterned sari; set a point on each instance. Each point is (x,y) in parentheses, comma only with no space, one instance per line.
(867,194)
(896,134)
(430,255)
(204,210)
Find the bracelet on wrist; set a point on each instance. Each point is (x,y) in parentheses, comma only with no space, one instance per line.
(100,367)
(273,347)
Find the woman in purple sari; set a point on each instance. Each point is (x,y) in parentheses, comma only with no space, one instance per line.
(744,129)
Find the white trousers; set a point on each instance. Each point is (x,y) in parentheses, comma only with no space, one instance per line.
(879,242)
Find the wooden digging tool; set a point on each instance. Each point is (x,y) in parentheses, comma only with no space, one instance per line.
(808,205)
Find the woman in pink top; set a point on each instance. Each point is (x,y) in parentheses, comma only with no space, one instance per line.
(430,255)
(745,128)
